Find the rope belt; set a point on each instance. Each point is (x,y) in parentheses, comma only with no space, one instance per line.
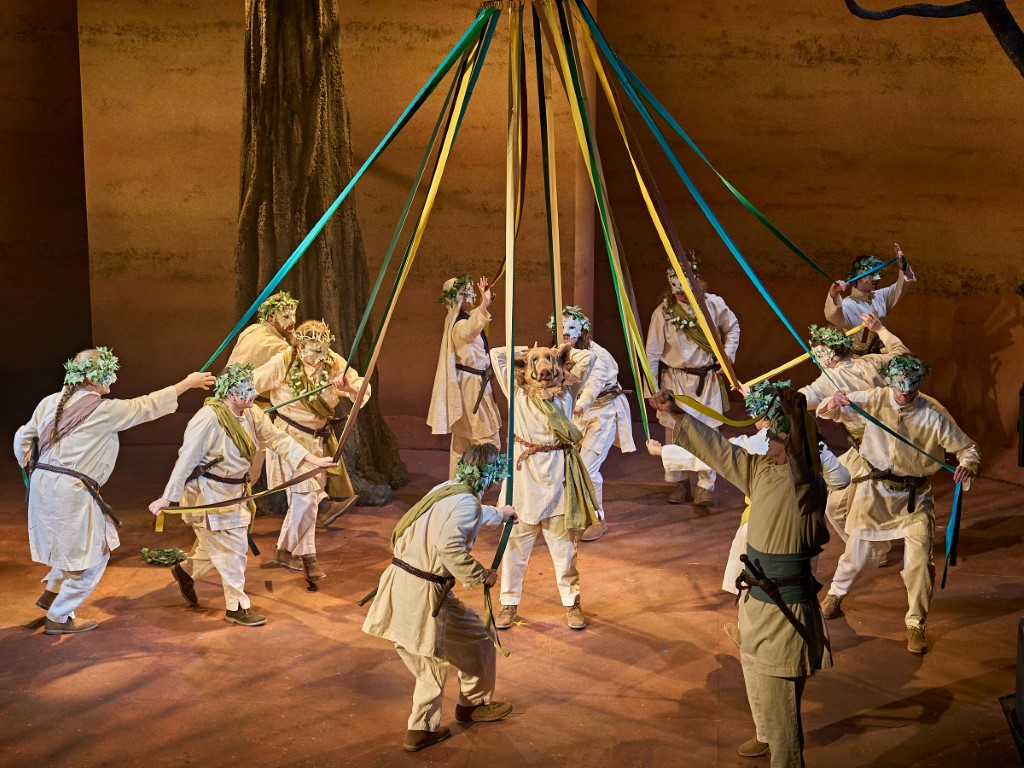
(322,433)
(701,373)
(445,582)
(90,485)
(898,483)
(532,448)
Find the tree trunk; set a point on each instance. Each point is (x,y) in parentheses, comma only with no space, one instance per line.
(296,159)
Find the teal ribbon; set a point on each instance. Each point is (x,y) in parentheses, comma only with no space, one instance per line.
(467,38)
(952,533)
(873,270)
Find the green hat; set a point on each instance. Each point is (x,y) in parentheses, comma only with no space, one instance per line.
(763,401)
(905,373)
(233,376)
(99,365)
(277,302)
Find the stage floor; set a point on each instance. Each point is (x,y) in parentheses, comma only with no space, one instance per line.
(653,681)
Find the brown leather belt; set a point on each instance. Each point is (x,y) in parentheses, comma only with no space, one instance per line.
(90,485)
(701,373)
(323,432)
(445,582)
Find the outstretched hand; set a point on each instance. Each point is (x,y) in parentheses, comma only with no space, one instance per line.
(483,292)
(665,402)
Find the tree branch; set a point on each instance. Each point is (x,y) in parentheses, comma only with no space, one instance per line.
(926,10)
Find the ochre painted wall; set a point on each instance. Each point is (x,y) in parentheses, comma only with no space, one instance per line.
(43,240)
(849,135)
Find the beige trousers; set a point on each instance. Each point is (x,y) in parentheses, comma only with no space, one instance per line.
(775,707)
(225,552)
(562,547)
(73,588)
(466,647)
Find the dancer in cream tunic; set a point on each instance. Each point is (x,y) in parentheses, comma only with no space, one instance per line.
(69,446)
(457,404)
(213,466)
(687,368)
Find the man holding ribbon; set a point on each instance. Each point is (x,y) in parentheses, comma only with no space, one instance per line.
(678,345)
(213,466)
(462,401)
(866,296)
(305,385)
(892,496)
(415,609)
(69,448)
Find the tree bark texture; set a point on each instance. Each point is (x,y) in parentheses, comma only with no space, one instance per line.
(296,160)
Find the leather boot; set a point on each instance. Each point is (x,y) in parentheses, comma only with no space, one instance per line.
(330,511)
(482,713)
(574,617)
(69,627)
(680,493)
(186,585)
(245,617)
(417,740)
(286,559)
(506,617)
(702,498)
(46,599)
(311,568)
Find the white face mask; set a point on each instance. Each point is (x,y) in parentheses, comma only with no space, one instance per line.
(244,391)
(284,318)
(572,327)
(313,353)
(824,355)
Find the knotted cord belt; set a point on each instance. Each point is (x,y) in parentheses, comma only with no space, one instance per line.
(532,448)
(701,373)
(894,482)
(323,432)
(445,582)
(88,483)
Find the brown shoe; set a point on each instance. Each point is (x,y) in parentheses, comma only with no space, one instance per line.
(915,640)
(46,599)
(186,584)
(483,713)
(417,740)
(753,748)
(332,510)
(245,617)
(702,498)
(507,617)
(286,559)
(311,568)
(595,531)
(574,617)
(680,493)
(69,627)
(831,606)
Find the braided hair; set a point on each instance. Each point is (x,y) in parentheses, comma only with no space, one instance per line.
(70,389)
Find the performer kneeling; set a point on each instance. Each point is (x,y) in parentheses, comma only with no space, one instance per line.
(213,465)
(414,607)
(69,448)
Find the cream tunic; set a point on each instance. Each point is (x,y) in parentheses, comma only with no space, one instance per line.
(469,350)
(66,528)
(847,314)
(853,374)
(670,346)
(538,490)
(272,378)
(257,344)
(205,440)
(438,542)
(877,511)
(786,516)
(613,416)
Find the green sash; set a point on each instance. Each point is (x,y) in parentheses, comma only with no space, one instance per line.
(245,444)
(580,499)
(420,507)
